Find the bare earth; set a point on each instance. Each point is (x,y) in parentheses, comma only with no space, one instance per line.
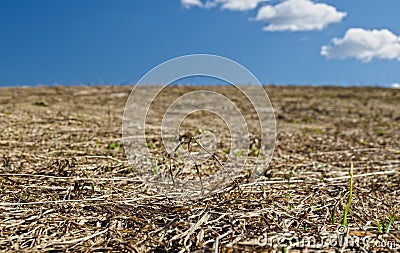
(66,185)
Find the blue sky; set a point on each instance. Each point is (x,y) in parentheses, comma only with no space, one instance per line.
(282,42)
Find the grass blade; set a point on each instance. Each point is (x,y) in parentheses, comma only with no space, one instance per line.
(347,210)
(390,223)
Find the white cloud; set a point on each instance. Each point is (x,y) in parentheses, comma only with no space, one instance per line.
(364,45)
(239,5)
(191,3)
(395,86)
(210,4)
(232,5)
(299,15)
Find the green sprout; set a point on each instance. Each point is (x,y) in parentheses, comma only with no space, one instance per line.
(255,151)
(391,220)
(378,224)
(114,146)
(347,210)
(154,168)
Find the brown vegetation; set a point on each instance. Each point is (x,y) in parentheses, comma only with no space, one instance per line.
(66,185)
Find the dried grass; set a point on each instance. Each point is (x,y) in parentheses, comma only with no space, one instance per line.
(63,189)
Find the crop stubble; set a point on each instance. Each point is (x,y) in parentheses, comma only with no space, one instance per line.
(63,167)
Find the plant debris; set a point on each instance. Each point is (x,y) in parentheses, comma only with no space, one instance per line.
(66,185)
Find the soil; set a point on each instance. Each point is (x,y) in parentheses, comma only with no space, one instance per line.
(66,184)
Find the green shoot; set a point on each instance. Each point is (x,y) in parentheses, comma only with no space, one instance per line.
(198,131)
(114,146)
(381,133)
(154,167)
(287,194)
(289,176)
(307,119)
(255,151)
(347,210)
(334,215)
(378,224)
(392,217)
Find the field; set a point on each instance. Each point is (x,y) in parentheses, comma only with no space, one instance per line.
(66,185)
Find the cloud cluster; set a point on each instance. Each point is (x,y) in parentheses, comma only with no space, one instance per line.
(299,15)
(289,15)
(307,15)
(364,45)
